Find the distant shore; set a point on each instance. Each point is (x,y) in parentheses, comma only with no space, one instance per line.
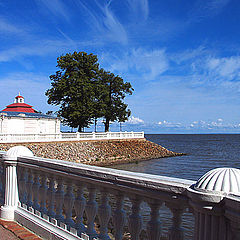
(98,153)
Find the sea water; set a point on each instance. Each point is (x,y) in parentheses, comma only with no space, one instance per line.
(204,152)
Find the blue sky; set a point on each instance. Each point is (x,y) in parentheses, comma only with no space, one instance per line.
(182,57)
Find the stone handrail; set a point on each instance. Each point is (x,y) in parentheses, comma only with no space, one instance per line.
(65,200)
(75,136)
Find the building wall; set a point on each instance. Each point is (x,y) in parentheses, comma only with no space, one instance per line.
(13,125)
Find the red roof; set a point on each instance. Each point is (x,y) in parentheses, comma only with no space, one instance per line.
(19,107)
(18,96)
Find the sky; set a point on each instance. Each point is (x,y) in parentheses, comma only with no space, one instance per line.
(181,57)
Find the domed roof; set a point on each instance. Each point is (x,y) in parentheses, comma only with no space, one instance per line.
(225,180)
(19,106)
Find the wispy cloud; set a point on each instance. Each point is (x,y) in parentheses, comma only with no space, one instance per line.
(103,20)
(6,27)
(113,25)
(206,8)
(56,7)
(139,8)
(42,47)
(145,63)
(226,67)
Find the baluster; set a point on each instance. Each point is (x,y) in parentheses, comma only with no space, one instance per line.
(43,193)
(29,189)
(36,186)
(51,197)
(23,186)
(68,204)
(59,201)
(119,217)
(135,220)
(176,232)
(154,225)
(79,206)
(104,212)
(91,212)
(1,185)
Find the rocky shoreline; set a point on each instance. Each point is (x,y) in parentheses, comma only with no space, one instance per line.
(98,153)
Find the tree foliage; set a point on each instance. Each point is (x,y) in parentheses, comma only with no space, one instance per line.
(113,93)
(85,93)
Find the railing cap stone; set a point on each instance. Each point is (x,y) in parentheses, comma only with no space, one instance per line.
(220,180)
(14,152)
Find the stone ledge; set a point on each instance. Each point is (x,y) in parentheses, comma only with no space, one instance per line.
(99,153)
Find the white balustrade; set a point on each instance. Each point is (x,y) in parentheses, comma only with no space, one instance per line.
(176,232)
(75,201)
(154,225)
(51,197)
(91,212)
(135,219)
(79,206)
(69,199)
(104,213)
(29,186)
(14,138)
(43,194)
(35,188)
(119,217)
(59,201)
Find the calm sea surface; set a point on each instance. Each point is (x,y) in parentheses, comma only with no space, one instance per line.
(204,152)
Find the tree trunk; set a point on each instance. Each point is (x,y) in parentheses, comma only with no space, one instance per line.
(107,125)
(95,122)
(80,129)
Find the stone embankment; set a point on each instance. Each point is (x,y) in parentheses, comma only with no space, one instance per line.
(98,153)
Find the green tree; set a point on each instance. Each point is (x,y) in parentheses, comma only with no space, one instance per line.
(114,91)
(98,103)
(73,88)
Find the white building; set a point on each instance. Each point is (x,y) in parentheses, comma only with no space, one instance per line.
(21,118)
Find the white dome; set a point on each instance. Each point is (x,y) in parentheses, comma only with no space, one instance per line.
(17,151)
(225,180)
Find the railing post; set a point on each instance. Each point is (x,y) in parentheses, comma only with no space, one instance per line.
(232,206)
(206,198)
(60,136)
(11,186)
(9,138)
(36,136)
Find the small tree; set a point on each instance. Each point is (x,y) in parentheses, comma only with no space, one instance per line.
(123,114)
(73,88)
(113,93)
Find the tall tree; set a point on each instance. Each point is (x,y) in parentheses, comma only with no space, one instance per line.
(114,91)
(73,88)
